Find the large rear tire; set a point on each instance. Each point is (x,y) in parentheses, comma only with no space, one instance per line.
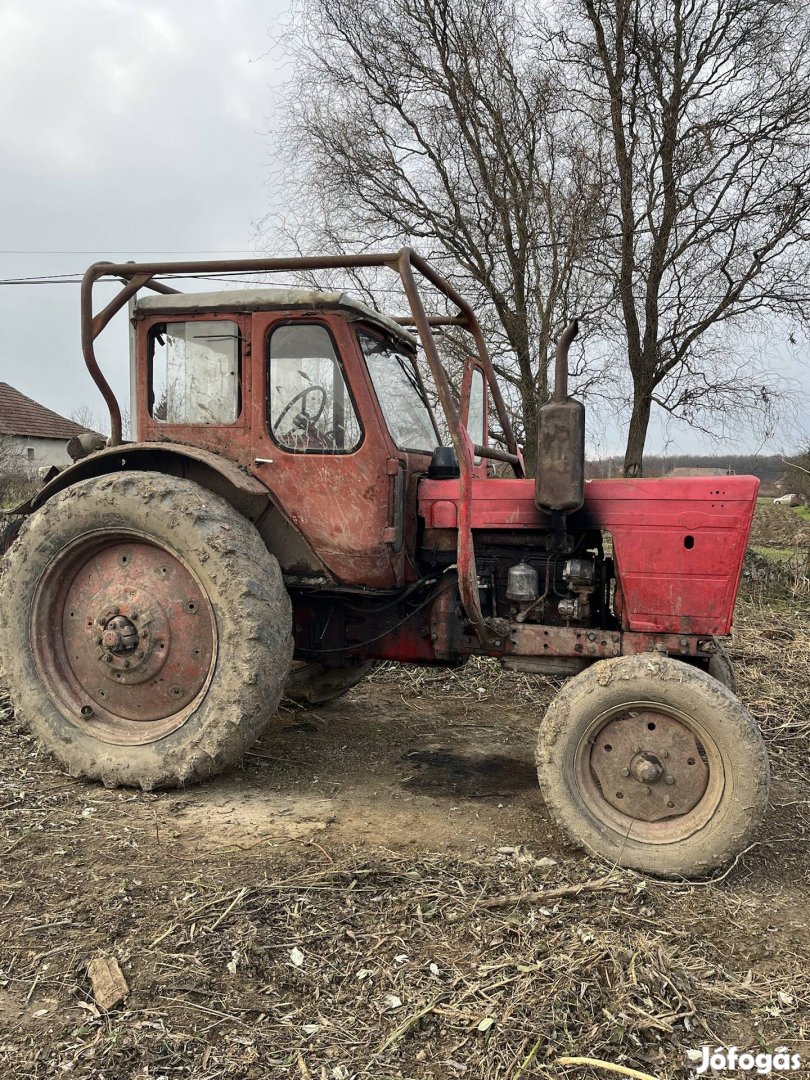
(145,631)
(654,765)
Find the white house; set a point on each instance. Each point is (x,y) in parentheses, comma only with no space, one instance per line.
(31,436)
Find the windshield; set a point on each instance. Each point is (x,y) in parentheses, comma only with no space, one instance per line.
(400,394)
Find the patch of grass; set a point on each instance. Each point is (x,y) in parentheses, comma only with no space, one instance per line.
(778,554)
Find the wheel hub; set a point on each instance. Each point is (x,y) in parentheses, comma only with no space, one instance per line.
(649,765)
(120,635)
(646,768)
(128,638)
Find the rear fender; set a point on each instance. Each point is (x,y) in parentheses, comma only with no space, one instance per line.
(244,492)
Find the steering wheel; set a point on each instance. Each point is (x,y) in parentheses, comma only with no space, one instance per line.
(302,397)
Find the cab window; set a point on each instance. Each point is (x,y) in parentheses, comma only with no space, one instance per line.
(476,413)
(309,408)
(400,394)
(195,371)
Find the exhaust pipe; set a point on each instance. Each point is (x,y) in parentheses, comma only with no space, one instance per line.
(559,485)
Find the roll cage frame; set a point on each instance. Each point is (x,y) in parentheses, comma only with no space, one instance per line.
(136,276)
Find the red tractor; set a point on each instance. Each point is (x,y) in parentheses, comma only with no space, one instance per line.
(288,515)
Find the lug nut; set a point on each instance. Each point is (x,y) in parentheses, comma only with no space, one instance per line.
(646,791)
(625,772)
(636,749)
(670,779)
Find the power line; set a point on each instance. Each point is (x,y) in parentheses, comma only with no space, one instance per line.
(75,278)
(130,251)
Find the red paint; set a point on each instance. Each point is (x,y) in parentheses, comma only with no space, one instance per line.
(669,582)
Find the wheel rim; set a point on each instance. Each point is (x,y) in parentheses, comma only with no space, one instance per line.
(650,772)
(123,636)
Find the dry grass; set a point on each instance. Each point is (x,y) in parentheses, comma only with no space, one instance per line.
(373,966)
(302,959)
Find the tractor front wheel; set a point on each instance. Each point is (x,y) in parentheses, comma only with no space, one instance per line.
(145,630)
(653,764)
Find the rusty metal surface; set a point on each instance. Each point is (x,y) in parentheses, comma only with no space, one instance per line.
(124,636)
(649,765)
(404,262)
(142,275)
(527,639)
(340,503)
(127,456)
(679,543)
(462,444)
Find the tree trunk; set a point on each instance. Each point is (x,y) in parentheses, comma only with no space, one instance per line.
(637,435)
(530,436)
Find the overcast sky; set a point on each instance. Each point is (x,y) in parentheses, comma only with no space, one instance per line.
(131,129)
(127,129)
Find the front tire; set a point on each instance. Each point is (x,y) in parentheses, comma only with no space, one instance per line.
(721,668)
(145,630)
(654,765)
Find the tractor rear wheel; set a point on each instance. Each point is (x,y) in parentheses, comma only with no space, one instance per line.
(316,684)
(653,764)
(145,630)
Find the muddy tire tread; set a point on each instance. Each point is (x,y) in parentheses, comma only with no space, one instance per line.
(590,693)
(252,611)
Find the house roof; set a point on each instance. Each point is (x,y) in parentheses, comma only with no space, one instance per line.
(20,415)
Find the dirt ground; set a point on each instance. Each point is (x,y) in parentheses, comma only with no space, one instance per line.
(354,900)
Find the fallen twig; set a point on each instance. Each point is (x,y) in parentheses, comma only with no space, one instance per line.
(597,1063)
(540,896)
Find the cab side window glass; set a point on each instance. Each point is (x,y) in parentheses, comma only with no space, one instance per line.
(309,409)
(476,417)
(195,372)
(400,394)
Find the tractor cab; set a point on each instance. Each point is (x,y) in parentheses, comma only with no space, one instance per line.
(316,395)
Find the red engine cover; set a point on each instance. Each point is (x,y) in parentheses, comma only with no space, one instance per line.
(678,543)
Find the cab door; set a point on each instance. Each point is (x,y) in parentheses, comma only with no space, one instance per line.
(320,446)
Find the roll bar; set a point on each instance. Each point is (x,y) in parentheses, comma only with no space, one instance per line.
(136,276)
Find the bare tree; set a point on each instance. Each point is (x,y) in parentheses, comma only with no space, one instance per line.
(438,123)
(86,417)
(797,474)
(16,480)
(699,110)
(642,163)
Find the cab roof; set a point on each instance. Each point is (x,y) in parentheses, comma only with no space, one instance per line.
(240,300)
